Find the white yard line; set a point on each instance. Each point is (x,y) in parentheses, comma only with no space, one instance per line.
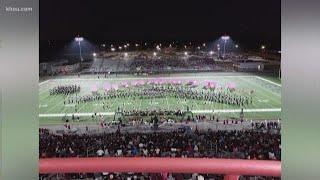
(97,106)
(180,102)
(195,111)
(84,105)
(126,103)
(44,82)
(167,102)
(55,106)
(114,101)
(194,102)
(54,97)
(262,88)
(140,104)
(45,90)
(264,95)
(260,94)
(79,95)
(268,81)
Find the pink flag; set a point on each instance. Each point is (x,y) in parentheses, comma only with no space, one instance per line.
(195,83)
(115,86)
(231,85)
(107,87)
(212,84)
(163,81)
(133,83)
(141,83)
(157,81)
(124,84)
(150,81)
(94,88)
(207,83)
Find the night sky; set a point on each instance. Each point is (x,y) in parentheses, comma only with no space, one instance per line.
(249,22)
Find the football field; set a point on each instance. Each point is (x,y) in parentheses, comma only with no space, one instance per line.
(266,97)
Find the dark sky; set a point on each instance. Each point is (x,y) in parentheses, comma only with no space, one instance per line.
(251,22)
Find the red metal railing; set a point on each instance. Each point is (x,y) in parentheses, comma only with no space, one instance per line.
(231,168)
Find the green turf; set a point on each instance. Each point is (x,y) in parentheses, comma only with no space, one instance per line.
(266,96)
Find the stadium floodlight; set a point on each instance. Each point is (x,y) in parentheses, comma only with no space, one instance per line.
(237,46)
(125,46)
(204,44)
(103,45)
(79,40)
(185,46)
(218,45)
(137,45)
(185,53)
(128,44)
(225,38)
(263,47)
(120,47)
(113,49)
(198,47)
(170,45)
(154,54)
(94,54)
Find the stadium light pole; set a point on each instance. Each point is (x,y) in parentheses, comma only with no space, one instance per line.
(79,39)
(263,48)
(186,54)
(225,38)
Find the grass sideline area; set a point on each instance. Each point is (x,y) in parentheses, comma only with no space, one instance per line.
(266,97)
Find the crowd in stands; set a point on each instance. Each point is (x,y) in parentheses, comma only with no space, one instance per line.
(245,144)
(147,62)
(179,63)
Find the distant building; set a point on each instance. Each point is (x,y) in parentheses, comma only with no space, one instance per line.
(249,65)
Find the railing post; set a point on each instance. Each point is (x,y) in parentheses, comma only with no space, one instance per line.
(231,177)
(87,152)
